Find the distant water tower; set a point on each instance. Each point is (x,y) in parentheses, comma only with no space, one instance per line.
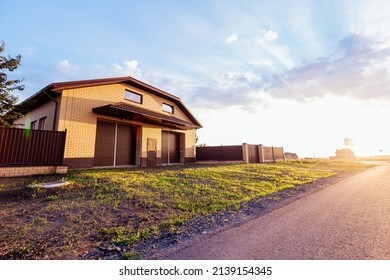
(345,153)
(348,142)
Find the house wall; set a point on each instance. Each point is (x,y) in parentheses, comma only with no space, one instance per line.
(46,110)
(77,118)
(155,132)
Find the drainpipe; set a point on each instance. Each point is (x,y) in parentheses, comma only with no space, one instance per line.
(55,110)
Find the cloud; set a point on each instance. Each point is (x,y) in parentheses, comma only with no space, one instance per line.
(270,35)
(64,67)
(263,62)
(65,70)
(231,39)
(360,68)
(126,68)
(242,90)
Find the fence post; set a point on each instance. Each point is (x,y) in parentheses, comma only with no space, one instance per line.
(63,143)
(245,153)
(261,153)
(273,154)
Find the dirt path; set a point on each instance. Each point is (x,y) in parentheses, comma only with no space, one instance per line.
(347,220)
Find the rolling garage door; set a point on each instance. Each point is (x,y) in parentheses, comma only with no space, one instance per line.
(115,144)
(170,147)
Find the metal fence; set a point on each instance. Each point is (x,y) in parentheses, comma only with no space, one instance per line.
(219,153)
(31,147)
(245,153)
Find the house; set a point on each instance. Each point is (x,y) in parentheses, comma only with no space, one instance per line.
(113,122)
(344,154)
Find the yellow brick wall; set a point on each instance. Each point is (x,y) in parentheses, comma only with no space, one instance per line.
(154,133)
(31,170)
(77,118)
(190,143)
(153,102)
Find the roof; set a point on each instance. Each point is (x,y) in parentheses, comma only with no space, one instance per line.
(55,89)
(127,111)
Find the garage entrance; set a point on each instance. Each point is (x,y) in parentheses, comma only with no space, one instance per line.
(170,147)
(114,145)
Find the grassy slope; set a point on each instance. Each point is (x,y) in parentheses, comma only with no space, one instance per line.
(103,207)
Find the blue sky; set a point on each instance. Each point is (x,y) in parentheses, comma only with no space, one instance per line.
(298,74)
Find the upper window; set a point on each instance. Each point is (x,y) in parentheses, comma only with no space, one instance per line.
(167,108)
(33,125)
(42,123)
(132,96)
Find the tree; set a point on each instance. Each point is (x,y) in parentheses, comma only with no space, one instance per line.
(7,86)
(196,142)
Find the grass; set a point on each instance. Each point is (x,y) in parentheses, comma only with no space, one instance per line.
(125,207)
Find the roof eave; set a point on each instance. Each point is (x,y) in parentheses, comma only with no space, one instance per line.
(55,89)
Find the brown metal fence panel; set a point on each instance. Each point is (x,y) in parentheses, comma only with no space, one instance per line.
(253,153)
(31,147)
(219,153)
(279,154)
(268,154)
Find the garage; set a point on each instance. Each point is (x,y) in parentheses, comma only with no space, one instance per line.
(114,145)
(170,147)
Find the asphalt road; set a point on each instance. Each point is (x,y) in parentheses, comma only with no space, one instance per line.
(347,220)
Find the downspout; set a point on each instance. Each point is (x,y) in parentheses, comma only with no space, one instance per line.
(55,110)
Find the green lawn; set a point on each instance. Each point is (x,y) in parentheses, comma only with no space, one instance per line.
(122,207)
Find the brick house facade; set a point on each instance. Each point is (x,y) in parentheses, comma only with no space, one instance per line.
(114,122)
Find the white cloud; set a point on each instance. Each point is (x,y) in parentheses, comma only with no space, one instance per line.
(232,38)
(227,90)
(64,70)
(64,67)
(359,69)
(270,35)
(263,62)
(126,68)
(282,55)
(368,18)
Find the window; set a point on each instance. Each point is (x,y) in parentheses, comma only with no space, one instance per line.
(42,123)
(132,96)
(167,108)
(33,125)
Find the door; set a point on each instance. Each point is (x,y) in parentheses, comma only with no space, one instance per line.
(104,144)
(170,147)
(114,145)
(152,152)
(125,152)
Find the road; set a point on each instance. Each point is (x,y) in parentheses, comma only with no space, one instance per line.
(345,221)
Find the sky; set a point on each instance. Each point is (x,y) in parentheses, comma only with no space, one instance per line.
(299,74)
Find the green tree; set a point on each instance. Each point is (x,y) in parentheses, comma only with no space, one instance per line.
(7,86)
